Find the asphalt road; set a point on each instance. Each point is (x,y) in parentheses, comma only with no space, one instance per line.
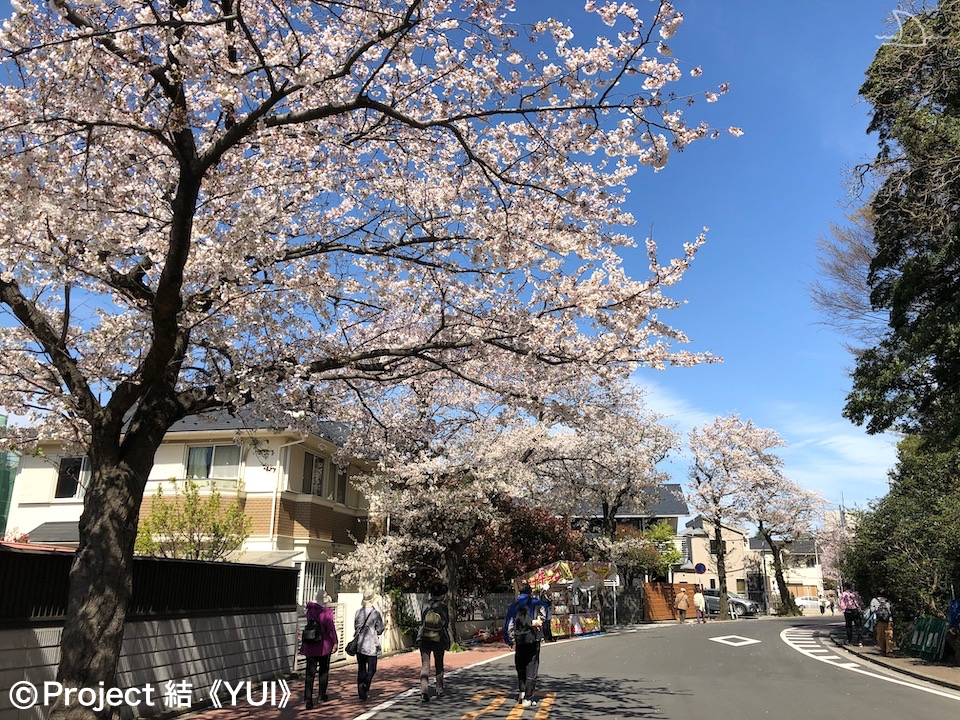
(782,669)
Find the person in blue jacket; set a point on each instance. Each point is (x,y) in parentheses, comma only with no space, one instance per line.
(526,641)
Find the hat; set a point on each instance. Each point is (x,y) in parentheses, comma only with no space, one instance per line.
(525,589)
(369,596)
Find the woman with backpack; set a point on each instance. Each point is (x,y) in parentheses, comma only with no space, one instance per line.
(522,630)
(319,640)
(433,638)
(882,611)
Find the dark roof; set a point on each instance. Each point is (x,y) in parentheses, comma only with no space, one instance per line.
(222,420)
(55,532)
(699,521)
(664,501)
(805,546)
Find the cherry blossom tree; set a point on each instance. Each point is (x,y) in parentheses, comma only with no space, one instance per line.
(605,460)
(209,204)
(783,513)
(730,456)
(438,502)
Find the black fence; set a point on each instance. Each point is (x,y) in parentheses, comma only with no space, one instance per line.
(34,587)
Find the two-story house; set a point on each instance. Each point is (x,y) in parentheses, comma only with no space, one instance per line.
(303,507)
(699,548)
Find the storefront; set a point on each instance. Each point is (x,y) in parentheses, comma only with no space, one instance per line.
(573,589)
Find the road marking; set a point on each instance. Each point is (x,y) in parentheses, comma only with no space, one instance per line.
(800,638)
(499,698)
(734,640)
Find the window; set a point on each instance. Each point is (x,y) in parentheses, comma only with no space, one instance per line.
(741,586)
(312,480)
(214,462)
(342,480)
(713,547)
(312,581)
(72,476)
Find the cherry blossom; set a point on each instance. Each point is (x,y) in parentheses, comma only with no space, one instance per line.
(318,209)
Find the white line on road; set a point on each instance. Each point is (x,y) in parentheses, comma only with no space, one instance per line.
(799,639)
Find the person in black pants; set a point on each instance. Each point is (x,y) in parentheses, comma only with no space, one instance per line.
(522,630)
(852,605)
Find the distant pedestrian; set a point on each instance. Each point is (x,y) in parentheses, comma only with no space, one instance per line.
(681,604)
(823,605)
(522,631)
(317,651)
(368,626)
(546,597)
(700,604)
(830,605)
(882,611)
(852,606)
(433,638)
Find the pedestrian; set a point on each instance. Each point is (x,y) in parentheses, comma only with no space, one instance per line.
(852,606)
(681,604)
(882,611)
(700,604)
(823,605)
(522,631)
(368,626)
(317,652)
(830,605)
(433,639)
(546,596)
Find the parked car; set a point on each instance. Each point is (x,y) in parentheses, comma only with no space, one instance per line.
(808,602)
(741,605)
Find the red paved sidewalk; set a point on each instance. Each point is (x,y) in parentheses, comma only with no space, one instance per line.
(395,674)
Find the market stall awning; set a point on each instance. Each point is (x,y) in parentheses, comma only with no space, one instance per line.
(565,572)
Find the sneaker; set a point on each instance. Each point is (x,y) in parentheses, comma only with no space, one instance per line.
(528,703)
(424,697)
(520,697)
(859,644)
(308,705)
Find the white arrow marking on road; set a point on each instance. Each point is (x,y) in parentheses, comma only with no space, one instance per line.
(734,640)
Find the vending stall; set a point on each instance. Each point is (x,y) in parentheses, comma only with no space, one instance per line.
(573,591)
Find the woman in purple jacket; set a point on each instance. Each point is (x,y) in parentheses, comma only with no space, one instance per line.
(318,653)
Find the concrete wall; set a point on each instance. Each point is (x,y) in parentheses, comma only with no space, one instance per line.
(191,652)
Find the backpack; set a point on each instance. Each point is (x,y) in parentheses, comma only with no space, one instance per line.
(432,625)
(524,633)
(882,613)
(311,633)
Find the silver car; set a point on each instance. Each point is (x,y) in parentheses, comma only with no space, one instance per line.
(740,605)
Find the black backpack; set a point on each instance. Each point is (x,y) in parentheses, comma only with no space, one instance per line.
(524,633)
(311,633)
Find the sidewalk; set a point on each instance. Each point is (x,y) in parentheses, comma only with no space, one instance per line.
(939,674)
(395,674)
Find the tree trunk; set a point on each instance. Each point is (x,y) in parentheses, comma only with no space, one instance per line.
(451,571)
(101,576)
(787,600)
(724,610)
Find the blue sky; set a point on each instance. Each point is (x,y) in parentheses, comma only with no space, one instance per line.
(794,70)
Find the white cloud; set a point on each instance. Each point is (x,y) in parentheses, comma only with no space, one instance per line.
(824,452)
